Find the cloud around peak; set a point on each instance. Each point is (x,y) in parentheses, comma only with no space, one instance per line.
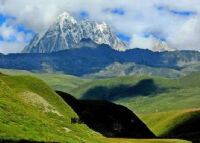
(174,21)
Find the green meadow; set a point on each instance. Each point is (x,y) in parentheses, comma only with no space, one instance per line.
(31,110)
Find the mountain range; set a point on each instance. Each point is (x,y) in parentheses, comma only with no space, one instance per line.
(87,60)
(67,33)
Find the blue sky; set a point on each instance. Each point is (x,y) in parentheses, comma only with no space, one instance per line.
(138,22)
(2,19)
(182,13)
(117,11)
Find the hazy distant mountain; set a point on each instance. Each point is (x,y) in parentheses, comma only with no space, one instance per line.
(161,46)
(128,69)
(66,33)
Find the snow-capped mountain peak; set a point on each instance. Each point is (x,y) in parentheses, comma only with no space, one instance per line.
(66,17)
(102,26)
(66,33)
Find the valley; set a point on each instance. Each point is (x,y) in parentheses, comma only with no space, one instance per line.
(31,105)
(158,100)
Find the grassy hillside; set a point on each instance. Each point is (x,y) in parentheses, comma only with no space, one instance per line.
(30,110)
(182,124)
(156,93)
(170,107)
(162,123)
(119,140)
(62,82)
(57,81)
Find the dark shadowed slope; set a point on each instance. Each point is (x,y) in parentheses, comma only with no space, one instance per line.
(142,88)
(182,124)
(188,128)
(108,118)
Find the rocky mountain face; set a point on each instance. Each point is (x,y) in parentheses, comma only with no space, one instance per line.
(128,69)
(66,33)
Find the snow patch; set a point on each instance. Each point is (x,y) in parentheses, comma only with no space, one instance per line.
(66,16)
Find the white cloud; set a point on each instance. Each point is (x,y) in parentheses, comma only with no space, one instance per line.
(12,41)
(9,33)
(141,16)
(11,47)
(142,42)
(187,36)
(6,31)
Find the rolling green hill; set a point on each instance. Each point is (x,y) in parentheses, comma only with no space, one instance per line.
(57,81)
(161,122)
(181,123)
(31,111)
(156,93)
(168,106)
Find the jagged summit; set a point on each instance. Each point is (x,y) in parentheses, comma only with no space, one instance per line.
(66,33)
(66,16)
